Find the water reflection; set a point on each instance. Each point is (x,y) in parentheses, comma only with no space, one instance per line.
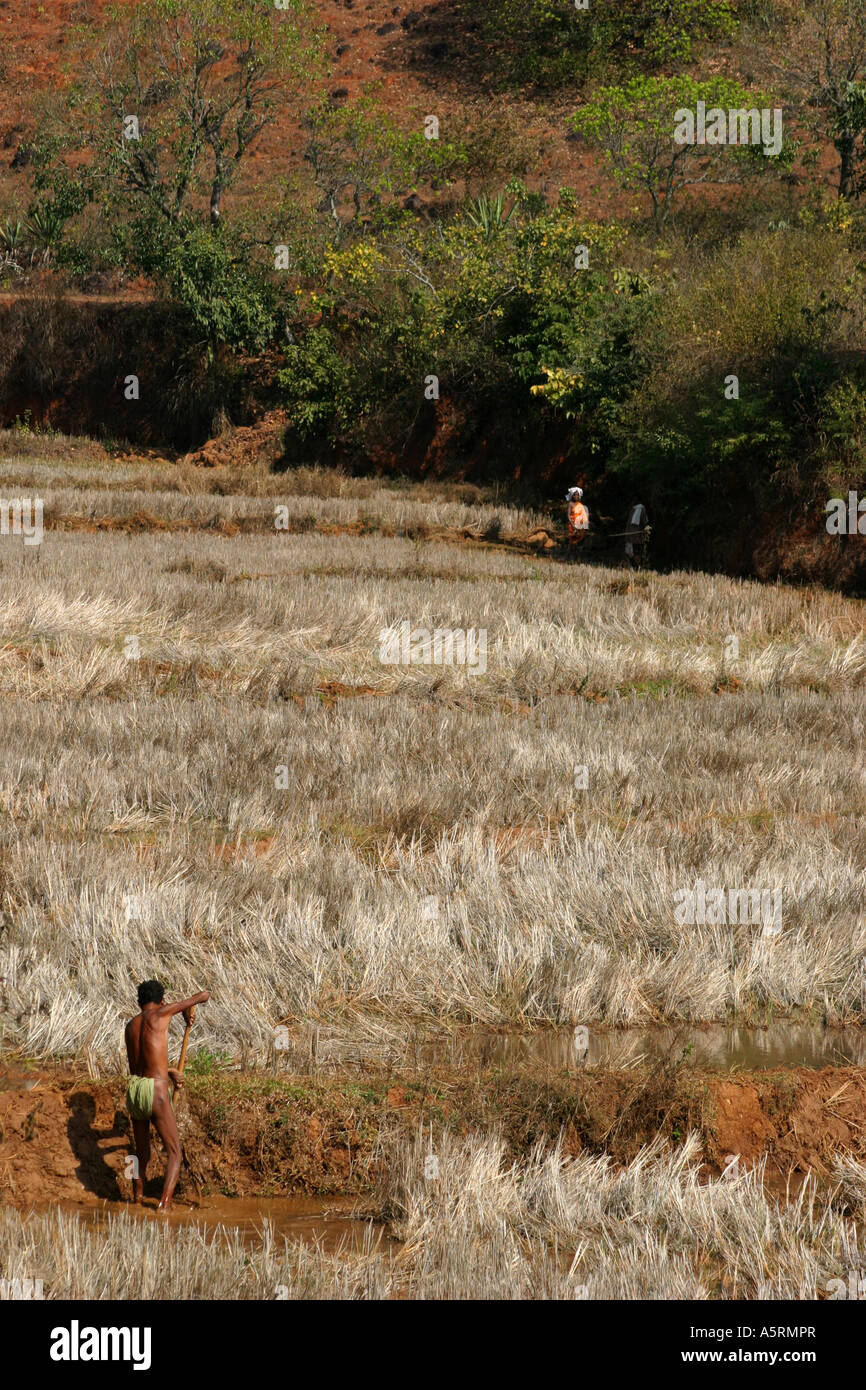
(779,1045)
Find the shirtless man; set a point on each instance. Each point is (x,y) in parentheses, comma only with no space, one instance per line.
(147,1094)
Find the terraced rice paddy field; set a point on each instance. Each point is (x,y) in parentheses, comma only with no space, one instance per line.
(542,975)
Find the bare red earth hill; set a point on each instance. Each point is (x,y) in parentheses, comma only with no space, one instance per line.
(416,58)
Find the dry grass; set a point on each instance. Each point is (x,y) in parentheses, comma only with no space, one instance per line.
(483,1229)
(62,469)
(432,858)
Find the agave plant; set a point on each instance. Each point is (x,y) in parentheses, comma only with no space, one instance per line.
(489,214)
(44,226)
(11,236)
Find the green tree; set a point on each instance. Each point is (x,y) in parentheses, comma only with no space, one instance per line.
(177,93)
(174,97)
(360,163)
(635,127)
(825,63)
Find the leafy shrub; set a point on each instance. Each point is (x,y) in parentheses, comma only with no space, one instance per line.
(772,311)
(552,43)
(224,297)
(316,385)
(484,301)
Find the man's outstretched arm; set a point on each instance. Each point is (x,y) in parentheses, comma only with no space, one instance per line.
(169,1010)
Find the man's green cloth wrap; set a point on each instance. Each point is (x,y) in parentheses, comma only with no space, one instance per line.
(139,1097)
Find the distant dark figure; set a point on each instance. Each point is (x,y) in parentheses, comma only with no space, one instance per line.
(636,532)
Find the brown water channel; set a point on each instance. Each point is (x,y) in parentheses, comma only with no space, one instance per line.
(781,1044)
(335,1224)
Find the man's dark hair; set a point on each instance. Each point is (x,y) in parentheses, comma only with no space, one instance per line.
(150,992)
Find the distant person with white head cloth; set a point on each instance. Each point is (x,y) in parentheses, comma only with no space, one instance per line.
(636,530)
(578,516)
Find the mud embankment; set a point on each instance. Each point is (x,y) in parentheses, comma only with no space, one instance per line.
(112,368)
(66,1137)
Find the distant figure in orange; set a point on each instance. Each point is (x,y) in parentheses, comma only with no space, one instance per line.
(578,516)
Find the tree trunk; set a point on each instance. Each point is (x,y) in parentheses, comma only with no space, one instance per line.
(845,144)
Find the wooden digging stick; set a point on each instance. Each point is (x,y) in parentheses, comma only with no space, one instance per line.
(184,1044)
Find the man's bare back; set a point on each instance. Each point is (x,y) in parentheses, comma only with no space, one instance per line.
(148,1096)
